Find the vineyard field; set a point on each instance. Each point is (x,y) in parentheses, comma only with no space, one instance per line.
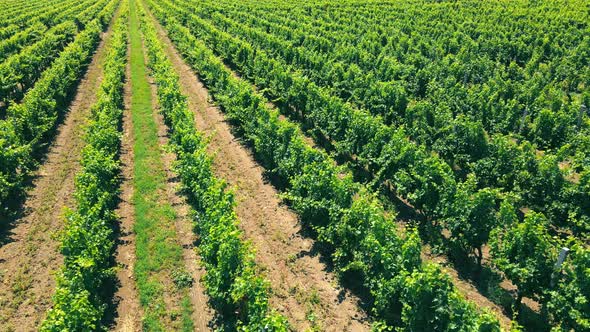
(312,165)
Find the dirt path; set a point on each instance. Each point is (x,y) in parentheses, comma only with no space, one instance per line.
(303,290)
(30,258)
(128,309)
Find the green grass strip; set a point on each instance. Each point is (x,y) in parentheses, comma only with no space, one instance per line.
(158,253)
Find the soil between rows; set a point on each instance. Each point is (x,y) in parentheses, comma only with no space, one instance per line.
(128,309)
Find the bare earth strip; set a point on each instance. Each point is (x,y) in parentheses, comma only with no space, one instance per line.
(304,291)
(31,257)
(128,309)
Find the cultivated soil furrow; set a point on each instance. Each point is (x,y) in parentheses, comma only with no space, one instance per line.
(128,311)
(31,256)
(303,290)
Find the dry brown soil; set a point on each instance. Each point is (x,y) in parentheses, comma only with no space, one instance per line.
(128,311)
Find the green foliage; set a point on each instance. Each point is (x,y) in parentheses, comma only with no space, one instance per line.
(464,141)
(319,193)
(569,301)
(474,215)
(525,253)
(428,301)
(182,279)
(28,124)
(366,241)
(15,43)
(448,138)
(458,95)
(77,312)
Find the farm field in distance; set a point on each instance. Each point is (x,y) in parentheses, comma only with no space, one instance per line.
(313,165)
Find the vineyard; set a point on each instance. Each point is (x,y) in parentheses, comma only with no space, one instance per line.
(314,165)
